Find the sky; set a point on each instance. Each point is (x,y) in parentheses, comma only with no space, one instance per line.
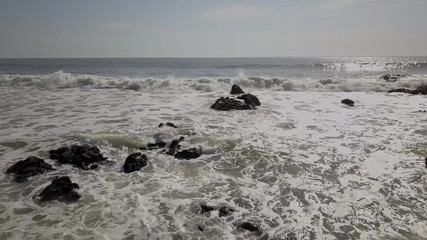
(212,28)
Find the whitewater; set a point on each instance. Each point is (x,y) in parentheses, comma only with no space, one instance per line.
(300,166)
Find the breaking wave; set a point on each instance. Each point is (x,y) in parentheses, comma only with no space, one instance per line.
(209,84)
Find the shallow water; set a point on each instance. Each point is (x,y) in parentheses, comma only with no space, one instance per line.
(301,165)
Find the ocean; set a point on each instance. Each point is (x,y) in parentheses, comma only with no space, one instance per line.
(300,166)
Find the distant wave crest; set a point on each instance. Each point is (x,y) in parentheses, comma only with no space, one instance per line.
(207,84)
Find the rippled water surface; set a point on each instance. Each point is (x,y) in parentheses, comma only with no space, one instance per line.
(301,166)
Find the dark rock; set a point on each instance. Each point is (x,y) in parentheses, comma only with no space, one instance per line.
(236,89)
(227,104)
(250,99)
(29,167)
(205,208)
(81,156)
(174,146)
(426,161)
(348,102)
(54,154)
(93,166)
(201,229)
(61,189)
(157,145)
(169,124)
(250,227)
(189,153)
(135,162)
(225,211)
(420,90)
(393,77)
(401,90)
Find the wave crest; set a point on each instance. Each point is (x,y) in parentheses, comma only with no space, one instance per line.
(206,84)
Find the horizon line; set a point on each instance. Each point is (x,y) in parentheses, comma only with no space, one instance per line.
(186,57)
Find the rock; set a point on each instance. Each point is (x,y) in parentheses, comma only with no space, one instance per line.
(189,153)
(54,154)
(157,145)
(81,156)
(61,189)
(236,89)
(205,208)
(250,227)
(348,102)
(201,229)
(426,161)
(135,162)
(29,167)
(225,211)
(393,77)
(169,124)
(227,104)
(420,90)
(174,146)
(250,99)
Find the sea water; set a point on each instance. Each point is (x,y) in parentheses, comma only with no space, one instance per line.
(300,166)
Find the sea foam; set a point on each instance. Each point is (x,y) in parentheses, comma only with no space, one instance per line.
(210,84)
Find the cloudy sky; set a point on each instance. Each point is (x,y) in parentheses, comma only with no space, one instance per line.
(212,28)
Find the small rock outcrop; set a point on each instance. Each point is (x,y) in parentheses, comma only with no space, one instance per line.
(168,124)
(393,77)
(135,162)
(61,189)
(174,146)
(228,104)
(189,154)
(419,90)
(348,102)
(236,89)
(250,99)
(81,156)
(29,167)
(250,227)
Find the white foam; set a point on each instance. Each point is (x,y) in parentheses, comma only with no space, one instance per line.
(301,163)
(209,84)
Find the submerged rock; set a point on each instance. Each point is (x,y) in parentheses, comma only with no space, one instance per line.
(206,208)
(81,156)
(157,145)
(236,89)
(227,104)
(250,99)
(189,153)
(225,211)
(61,189)
(250,227)
(348,102)
(135,162)
(169,124)
(29,167)
(393,77)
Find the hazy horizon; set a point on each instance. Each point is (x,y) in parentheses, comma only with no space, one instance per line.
(212,29)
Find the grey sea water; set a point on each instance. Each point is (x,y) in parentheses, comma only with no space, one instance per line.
(300,166)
